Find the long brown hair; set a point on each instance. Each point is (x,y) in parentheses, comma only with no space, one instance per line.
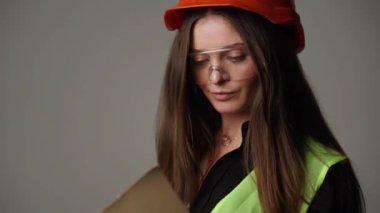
(284,111)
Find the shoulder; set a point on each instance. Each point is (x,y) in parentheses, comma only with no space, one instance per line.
(315,150)
(339,191)
(331,183)
(318,160)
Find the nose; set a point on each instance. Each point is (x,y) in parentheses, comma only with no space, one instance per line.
(217,75)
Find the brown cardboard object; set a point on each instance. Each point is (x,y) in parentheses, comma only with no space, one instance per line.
(152,193)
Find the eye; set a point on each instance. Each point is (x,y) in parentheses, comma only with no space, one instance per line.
(198,61)
(236,55)
(236,58)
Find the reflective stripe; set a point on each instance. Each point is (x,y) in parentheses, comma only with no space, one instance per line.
(318,161)
(244,197)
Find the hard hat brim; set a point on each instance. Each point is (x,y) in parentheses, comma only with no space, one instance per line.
(173,17)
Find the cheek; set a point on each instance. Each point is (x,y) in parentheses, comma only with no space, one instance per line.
(250,70)
(203,88)
(200,78)
(249,90)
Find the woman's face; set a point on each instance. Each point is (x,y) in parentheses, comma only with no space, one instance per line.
(222,66)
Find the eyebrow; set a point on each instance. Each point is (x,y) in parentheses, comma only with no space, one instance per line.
(217,49)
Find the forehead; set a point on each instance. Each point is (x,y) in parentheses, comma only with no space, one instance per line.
(213,31)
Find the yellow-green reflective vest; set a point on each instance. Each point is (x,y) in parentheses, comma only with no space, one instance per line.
(244,197)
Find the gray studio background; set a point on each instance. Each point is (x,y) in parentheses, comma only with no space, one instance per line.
(79,86)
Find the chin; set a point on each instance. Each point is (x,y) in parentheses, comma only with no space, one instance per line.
(227,108)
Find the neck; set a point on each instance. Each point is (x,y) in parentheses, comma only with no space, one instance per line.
(231,124)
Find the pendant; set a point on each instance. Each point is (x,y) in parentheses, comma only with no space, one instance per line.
(226,140)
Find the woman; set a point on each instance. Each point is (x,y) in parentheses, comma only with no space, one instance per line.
(239,129)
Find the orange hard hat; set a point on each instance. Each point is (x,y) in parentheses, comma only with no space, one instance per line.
(276,11)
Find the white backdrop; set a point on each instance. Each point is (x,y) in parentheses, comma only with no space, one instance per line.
(79,86)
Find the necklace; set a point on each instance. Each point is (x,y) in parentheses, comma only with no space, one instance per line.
(226,140)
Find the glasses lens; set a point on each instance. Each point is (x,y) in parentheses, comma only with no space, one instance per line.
(234,61)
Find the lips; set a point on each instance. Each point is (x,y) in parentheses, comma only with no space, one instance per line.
(222,96)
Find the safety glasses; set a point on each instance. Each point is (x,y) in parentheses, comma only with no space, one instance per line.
(215,65)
